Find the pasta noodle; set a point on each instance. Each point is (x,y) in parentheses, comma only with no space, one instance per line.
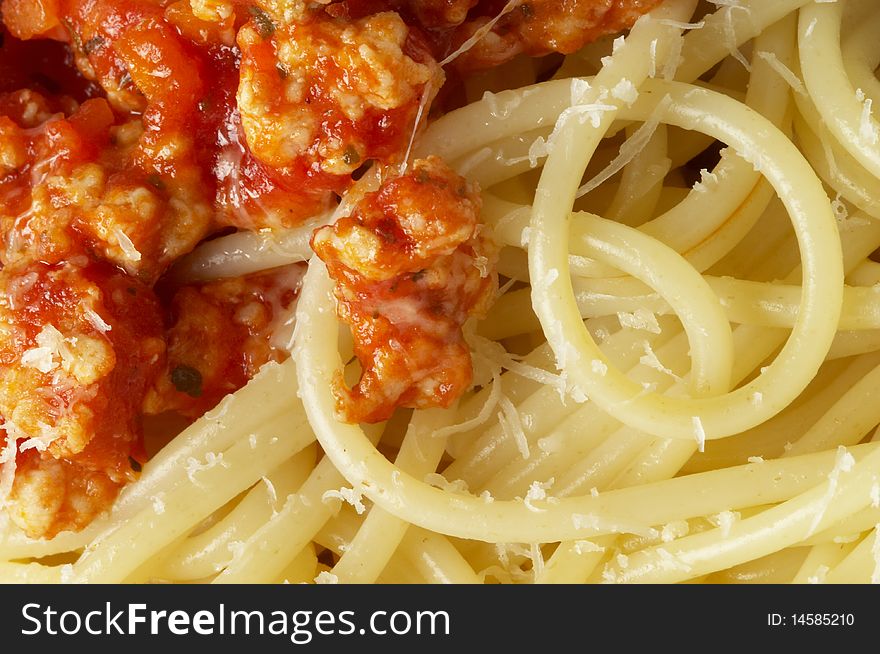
(676,382)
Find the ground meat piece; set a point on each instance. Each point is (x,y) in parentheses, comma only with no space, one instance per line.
(49,496)
(411,264)
(206,22)
(539,27)
(70,185)
(534,27)
(429,15)
(221,333)
(29,18)
(214,11)
(320,97)
(433,14)
(78,343)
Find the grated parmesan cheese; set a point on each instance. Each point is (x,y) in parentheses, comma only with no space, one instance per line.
(724,521)
(628,149)
(609,575)
(867,129)
(510,422)
(193,466)
(812,26)
(41,442)
(640,319)
(96,320)
(325,577)
(681,24)
(670,561)
(586,546)
(125,244)
(437,480)
(273,494)
(843,463)
(819,578)
(480,33)
(699,433)
(482,417)
(625,91)
(839,209)
(579,91)
(67,573)
(599,367)
(707,180)
(599,524)
(537,492)
(674,530)
(495,353)
(783,71)
(731,38)
(875,554)
(346,494)
(649,358)
(51,351)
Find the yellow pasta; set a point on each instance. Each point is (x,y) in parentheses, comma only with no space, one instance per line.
(677,381)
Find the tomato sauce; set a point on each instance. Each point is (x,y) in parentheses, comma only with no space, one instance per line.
(133,130)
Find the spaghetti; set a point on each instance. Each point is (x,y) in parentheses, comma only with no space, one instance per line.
(675,379)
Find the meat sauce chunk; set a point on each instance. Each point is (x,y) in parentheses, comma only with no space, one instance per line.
(220,334)
(533,27)
(319,97)
(410,265)
(539,27)
(79,342)
(69,185)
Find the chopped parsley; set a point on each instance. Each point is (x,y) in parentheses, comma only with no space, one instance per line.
(351,156)
(125,81)
(92,44)
(155,180)
(187,379)
(74,36)
(265,26)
